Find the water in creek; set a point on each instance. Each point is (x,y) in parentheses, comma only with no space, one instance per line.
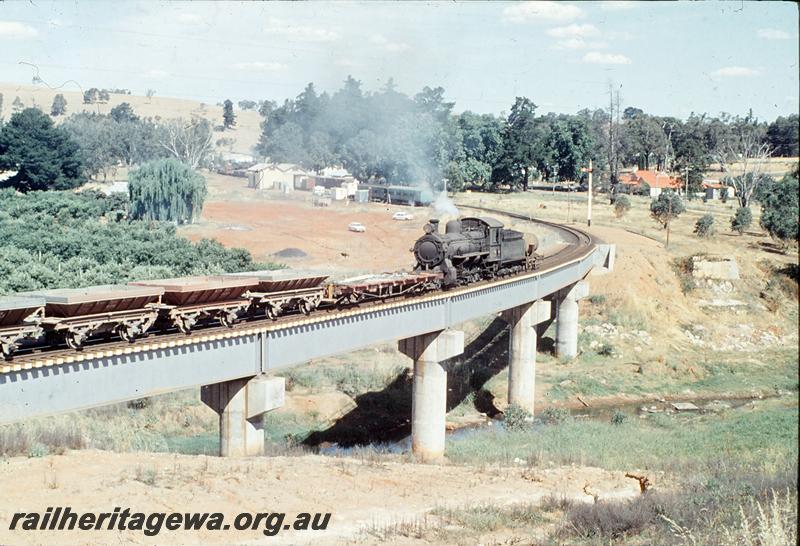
(640,409)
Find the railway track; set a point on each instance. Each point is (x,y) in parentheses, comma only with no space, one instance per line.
(580,244)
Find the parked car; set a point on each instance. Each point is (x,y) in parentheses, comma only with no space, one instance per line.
(357,227)
(400,215)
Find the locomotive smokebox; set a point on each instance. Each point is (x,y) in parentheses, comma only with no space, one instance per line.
(453,226)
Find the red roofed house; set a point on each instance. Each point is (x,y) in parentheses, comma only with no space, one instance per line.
(657,182)
(714,189)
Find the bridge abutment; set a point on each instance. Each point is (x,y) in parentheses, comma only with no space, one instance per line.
(522,342)
(241,405)
(567,319)
(429,395)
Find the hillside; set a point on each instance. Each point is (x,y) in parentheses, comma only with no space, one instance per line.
(245,134)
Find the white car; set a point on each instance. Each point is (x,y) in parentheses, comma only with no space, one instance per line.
(400,215)
(357,227)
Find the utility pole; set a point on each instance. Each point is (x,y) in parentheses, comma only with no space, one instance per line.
(686,184)
(589,207)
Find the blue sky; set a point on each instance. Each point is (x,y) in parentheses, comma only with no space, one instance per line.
(668,58)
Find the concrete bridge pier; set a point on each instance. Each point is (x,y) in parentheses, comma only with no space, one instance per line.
(429,395)
(241,404)
(522,321)
(567,319)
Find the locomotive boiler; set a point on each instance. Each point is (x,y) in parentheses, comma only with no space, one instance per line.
(471,249)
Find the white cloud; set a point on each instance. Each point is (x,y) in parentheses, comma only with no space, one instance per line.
(13,30)
(735,72)
(525,12)
(617,5)
(387,45)
(579,43)
(594,57)
(305,33)
(259,66)
(773,34)
(574,31)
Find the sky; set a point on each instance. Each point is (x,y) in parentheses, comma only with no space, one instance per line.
(667,58)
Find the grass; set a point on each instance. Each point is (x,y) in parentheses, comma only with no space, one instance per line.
(766,437)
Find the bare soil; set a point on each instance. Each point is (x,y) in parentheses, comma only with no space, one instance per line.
(359,494)
(266,222)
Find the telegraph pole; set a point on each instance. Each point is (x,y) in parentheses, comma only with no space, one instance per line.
(589,207)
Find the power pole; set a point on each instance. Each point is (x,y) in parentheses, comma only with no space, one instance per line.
(589,207)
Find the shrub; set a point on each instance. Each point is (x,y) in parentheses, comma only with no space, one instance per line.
(554,416)
(517,418)
(704,227)
(621,206)
(618,417)
(606,349)
(741,220)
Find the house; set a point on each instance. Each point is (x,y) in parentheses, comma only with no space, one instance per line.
(655,181)
(714,189)
(264,176)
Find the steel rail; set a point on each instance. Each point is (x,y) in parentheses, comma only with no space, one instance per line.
(582,246)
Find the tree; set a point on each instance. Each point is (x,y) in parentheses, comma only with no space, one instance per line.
(99,142)
(669,205)
(666,207)
(521,140)
(123,112)
(44,156)
(91,96)
(1,106)
(149,94)
(743,156)
(741,220)
(228,117)
(247,105)
(104,96)
(166,190)
(189,141)
(782,136)
(17,105)
(779,209)
(59,107)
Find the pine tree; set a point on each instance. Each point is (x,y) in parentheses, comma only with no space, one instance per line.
(44,156)
(228,117)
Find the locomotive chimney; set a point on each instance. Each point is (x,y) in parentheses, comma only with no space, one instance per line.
(435,225)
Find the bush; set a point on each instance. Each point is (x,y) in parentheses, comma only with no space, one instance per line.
(621,206)
(606,349)
(554,416)
(704,227)
(618,417)
(741,220)
(517,418)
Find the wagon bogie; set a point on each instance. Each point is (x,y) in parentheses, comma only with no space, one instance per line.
(186,318)
(304,300)
(76,331)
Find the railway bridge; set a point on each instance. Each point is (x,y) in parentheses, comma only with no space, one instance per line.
(233,365)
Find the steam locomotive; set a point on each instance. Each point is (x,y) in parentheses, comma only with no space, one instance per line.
(472,249)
